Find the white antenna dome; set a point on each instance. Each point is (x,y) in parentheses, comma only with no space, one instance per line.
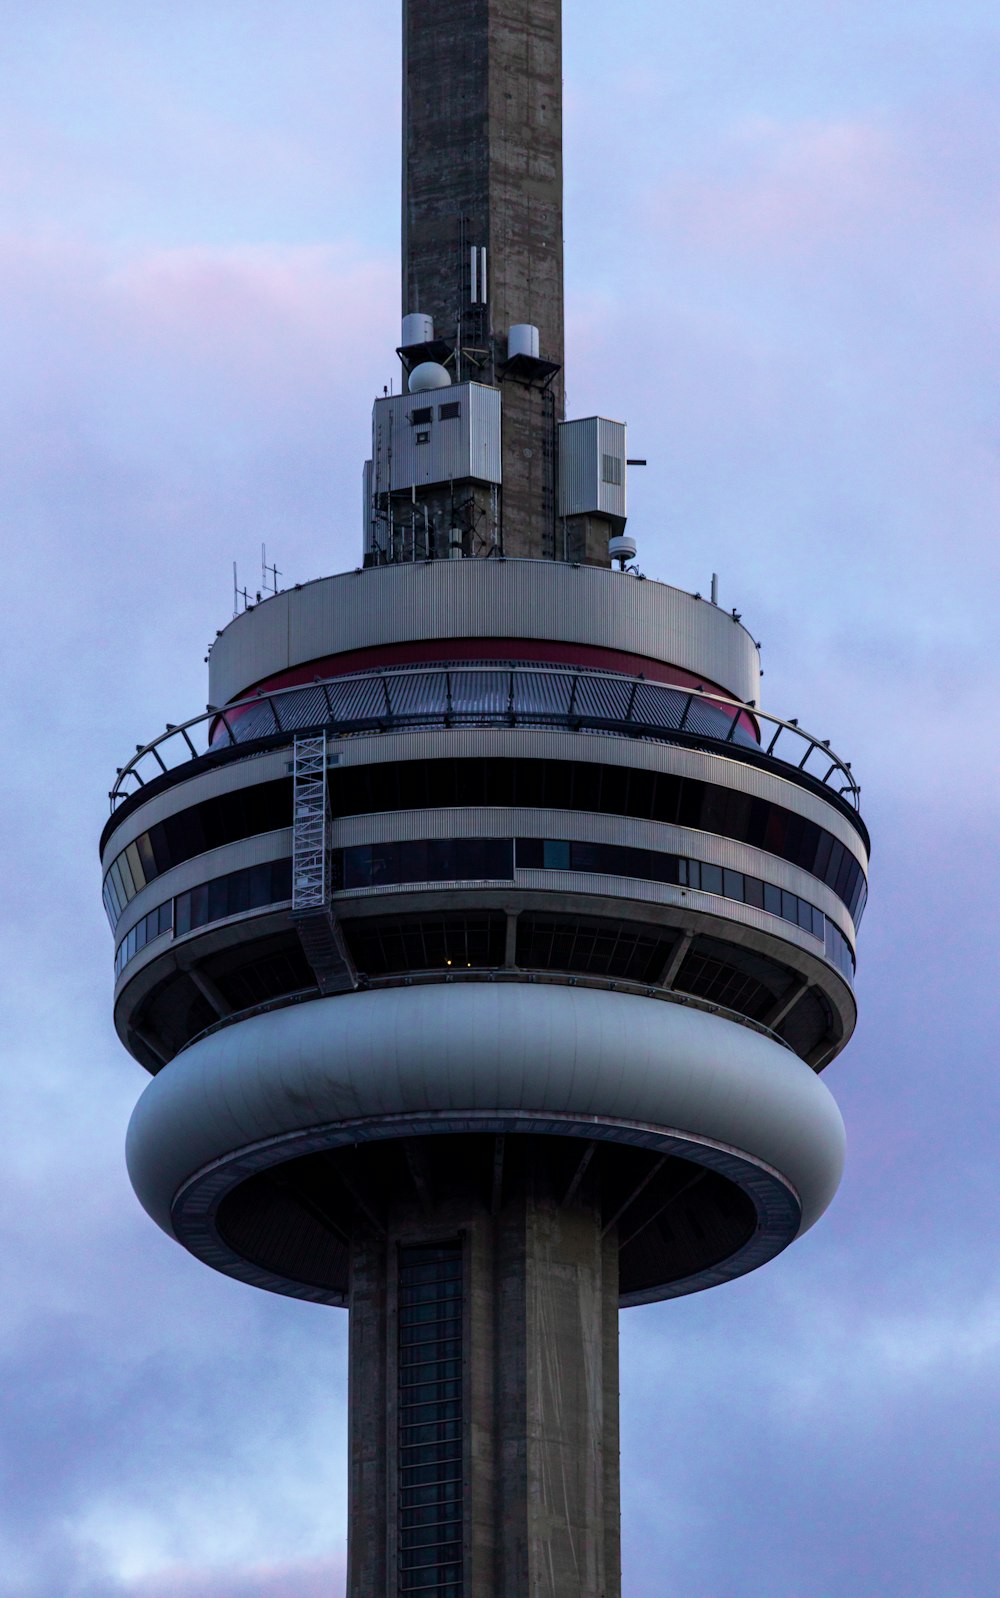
(429,374)
(622,548)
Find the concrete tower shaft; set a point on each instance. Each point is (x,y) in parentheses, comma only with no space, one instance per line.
(482,170)
(482,221)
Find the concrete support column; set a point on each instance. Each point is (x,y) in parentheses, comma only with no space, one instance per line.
(368,1420)
(540,1475)
(556,1385)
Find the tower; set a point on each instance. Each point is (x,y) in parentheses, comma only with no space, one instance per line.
(485,938)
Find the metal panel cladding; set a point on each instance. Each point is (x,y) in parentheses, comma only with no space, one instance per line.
(445,435)
(592,468)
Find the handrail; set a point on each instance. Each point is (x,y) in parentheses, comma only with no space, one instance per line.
(183,738)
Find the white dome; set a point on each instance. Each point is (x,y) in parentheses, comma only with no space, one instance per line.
(429,374)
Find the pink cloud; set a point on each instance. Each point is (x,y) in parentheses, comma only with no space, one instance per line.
(791,187)
(313,1578)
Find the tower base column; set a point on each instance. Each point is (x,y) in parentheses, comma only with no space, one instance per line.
(484,1399)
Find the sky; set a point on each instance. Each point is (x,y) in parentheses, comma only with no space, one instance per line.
(782,232)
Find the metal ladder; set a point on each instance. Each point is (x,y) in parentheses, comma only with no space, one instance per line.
(312,830)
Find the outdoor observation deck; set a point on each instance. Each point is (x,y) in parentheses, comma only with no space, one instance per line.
(490,819)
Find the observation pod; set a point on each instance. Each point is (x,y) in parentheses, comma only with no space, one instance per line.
(478,959)
(485,939)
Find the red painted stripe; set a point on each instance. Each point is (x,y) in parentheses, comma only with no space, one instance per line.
(438,651)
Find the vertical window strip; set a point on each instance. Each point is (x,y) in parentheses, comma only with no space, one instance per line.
(431,1423)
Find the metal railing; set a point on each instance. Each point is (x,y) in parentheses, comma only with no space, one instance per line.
(490,696)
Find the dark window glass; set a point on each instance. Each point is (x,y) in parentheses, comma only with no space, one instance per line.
(753,891)
(732,884)
(145,853)
(218,899)
(776,833)
(199,905)
(555,855)
(845,877)
(835,862)
(789,906)
(772,899)
(805,915)
(711,878)
(357,866)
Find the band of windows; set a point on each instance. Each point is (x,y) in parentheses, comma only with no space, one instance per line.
(492,859)
(466,783)
(479,859)
(250,889)
(227,818)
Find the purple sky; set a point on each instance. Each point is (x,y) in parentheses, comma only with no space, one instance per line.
(782,246)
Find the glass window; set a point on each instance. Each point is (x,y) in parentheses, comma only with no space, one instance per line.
(732,884)
(357,866)
(145,852)
(753,891)
(711,878)
(113,899)
(556,855)
(789,906)
(772,899)
(218,899)
(118,885)
(199,905)
(835,862)
(424,414)
(259,878)
(135,866)
(125,872)
(805,916)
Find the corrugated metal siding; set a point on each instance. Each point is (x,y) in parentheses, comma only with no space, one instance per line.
(484,599)
(612,495)
(584,487)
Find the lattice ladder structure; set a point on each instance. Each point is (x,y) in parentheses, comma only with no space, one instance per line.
(312,829)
